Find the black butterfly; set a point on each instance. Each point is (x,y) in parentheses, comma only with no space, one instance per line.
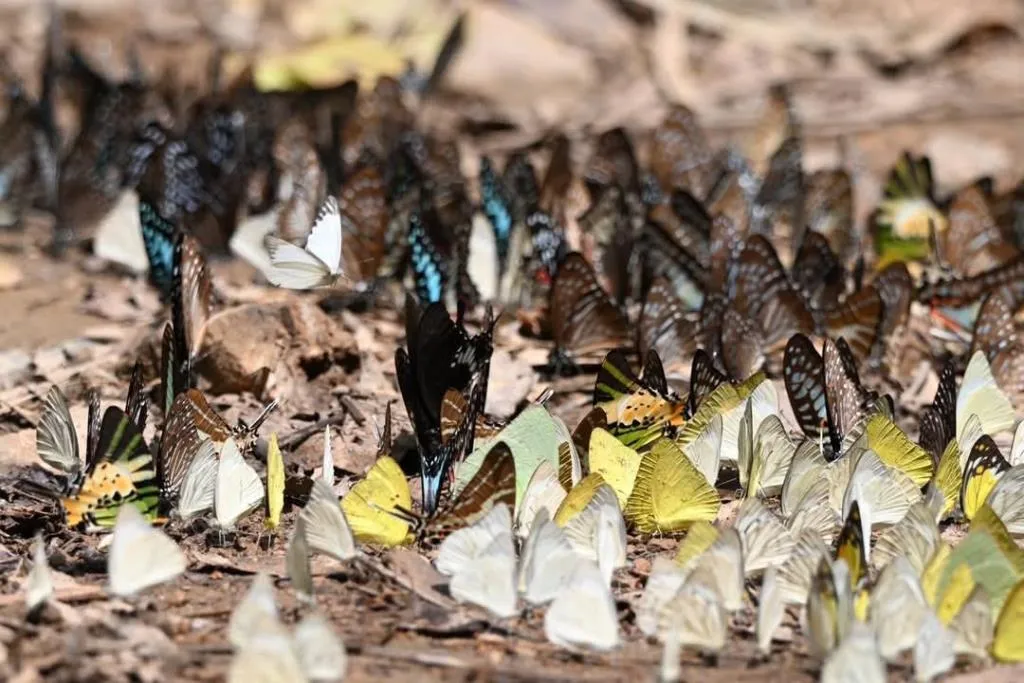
(825,391)
(704,379)
(441,355)
(93,173)
(497,206)
(938,419)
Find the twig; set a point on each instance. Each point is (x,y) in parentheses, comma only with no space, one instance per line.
(414,656)
(353,409)
(296,438)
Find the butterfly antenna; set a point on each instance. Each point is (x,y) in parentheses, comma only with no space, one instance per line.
(261,418)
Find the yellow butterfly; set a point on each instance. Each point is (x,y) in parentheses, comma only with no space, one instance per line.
(614,461)
(275,484)
(374,505)
(985,466)
(896,450)
(578,498)
(698,539)
(994,561)
(1008,640)
(670,493)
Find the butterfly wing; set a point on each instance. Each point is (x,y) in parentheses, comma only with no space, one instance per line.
(295,268)
(56,439)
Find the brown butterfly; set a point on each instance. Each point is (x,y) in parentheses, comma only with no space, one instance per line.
(583,318)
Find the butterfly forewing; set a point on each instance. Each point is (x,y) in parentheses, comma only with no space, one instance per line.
(178,447)
(494,483)
(583,318)
(804,376)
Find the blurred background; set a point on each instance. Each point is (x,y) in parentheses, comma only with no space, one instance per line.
(941,77)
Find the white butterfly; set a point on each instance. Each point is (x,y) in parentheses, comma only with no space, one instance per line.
(770,609)
(980,395)
(56,439)
(118,237)
(663,584)
(327,466)
(321,653)
(140,556)
(316,265)
(199,487)
(696,616)
(766,542)
(934,652)
(897,608)
(543,493)
(583,615)
(481,560)
(297,562)
(327,530)
(39,585)
(598,531)
(255,614)
(856,660)
(239,488)
(548,561)
(915,537)
(489,579)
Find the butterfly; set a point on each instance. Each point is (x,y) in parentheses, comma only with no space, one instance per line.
(140,556)
(828,211)
(779,201)
(1006,639)
(429,269)
(179,445)
(680,154)
(583,318)
(669,493)
(583,615)
(365,216)
(191,293)
(960,292)
(638,410)
(497,206)
(57,440)
(93,172)
(985,466)
(908,213)
(327,529)
(122,473)
(973,243)
(441,355)
(319,263)
(275,483)
(372,505)
(760,292)
(239,489)
(211,425)
(996,335)
(825,390)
